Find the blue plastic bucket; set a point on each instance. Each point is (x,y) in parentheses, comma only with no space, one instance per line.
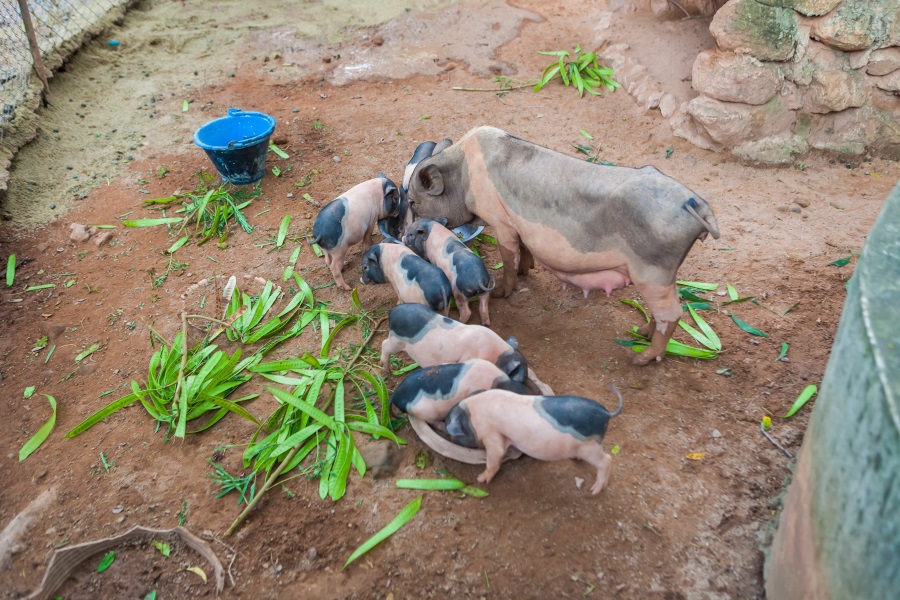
(237,144)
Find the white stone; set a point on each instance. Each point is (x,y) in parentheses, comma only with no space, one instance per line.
(735,78)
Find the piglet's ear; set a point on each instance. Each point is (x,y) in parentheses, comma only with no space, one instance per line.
(442,220)
(431,179)
(512,341)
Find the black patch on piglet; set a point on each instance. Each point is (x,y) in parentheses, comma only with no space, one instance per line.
(422,152)
(410,321)
(390,195)
(579,417)
(459,427)
(504,383)
(472,278)
(427,277)
(438,381)
(513,363)
(329,226)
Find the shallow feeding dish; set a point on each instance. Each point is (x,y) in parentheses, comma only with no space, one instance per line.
(238,144)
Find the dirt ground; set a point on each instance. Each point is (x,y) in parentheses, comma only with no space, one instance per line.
(380,83)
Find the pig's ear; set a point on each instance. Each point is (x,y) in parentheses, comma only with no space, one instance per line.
(431,179)
(512,341)
(442,220)
(441,146)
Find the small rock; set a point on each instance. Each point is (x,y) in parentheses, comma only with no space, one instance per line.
(326,59)
(10,456)
(716,433)
(378,40)
(382,457)
(103,238)
(312,555)
(121,519)
(231,74)
(290,195)
(802,202)
(796,209)
(79,233)
(52,206)
(579,482)
(782,209)
(85,369)
(336,159)
(52,330)
(42,247)
(296,110)
(117,510)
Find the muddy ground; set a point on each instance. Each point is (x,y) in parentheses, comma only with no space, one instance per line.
(379,81)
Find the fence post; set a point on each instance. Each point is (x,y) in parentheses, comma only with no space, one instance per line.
(35,49)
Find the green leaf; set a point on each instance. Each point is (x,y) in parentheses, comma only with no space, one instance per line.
(106,562)
(184,105)
(10,270)
(151,595)
(153,222)
(87,352)
(707,330)
(615,450)
(783,353)
(38,438)
(697,335)
(281,153)
(748,328)
(34,288)
(767,422)
(497,267)
(303,406)
(586,134)
(637,306)
(732,293)
(276,171)
(807,393)
(181,242)
(102,414)
(669,151)
(164,548)
(430,484)
(366,427)
(405,370)
(283,231)
(700,285)
(318,250)
(402,518)
(841,262)
(29,391)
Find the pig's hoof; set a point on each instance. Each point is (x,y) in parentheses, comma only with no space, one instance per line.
(484,478)
(597,488)
(643,330)
(644,358)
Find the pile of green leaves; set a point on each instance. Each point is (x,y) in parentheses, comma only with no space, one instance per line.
(184,384)
(584,72)
(214,210)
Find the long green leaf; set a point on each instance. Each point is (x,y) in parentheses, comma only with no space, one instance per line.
(181,242)
(707,330)
(10,270)
(106,562)
(696,335)
(283,231)
(38,438)
(303,406)
(430,484)
(637,306)
(153,222)
(784,350)
(366,427)
(732,292)
(326,347)
(748,328)
(337,485)
(402,518)
(102,414)
(700,285)
(807,393)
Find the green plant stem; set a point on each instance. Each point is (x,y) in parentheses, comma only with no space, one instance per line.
(184,353)
(270,481)
(220,322)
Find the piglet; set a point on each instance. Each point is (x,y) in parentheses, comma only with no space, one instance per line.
(430,239)
(413,279)
(351,218)
(396,225)
(431,339)
(543,427)
(431,392)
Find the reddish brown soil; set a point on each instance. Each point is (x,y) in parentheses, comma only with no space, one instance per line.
(666,526)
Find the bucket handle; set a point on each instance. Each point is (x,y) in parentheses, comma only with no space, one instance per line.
(233,112)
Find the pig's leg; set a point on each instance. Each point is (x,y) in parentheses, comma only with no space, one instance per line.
(662,300)
(495,448)
(462,304)
(367,238)
(510,256)
(594,455)
(389,346)
(483,301)
(526,261)
(336,265)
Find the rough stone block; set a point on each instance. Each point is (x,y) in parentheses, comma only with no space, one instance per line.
(832,84)
(684,126)
(735,77)
(668,105)
(749,27)
(852,130)
(731,124)
(888,83)
(856,24)
(884,61)
(775,150)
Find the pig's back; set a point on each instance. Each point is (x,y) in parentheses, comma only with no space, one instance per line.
(579,417)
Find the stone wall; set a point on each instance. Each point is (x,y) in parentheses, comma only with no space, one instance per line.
(789,76)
